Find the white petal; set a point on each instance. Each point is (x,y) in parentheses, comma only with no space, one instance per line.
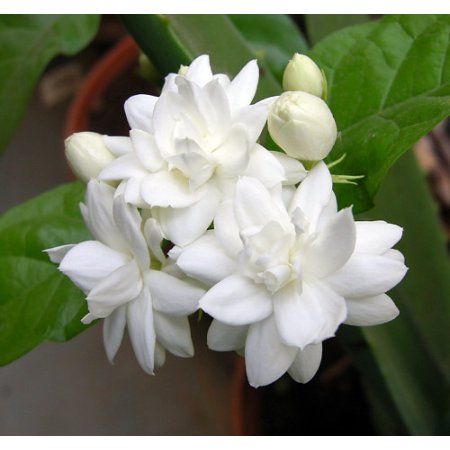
(226,228)
(89,262)
(376,237)
(306,363)
(395,254)
(154,237)
(294,171)
(98,215)
(128,221)
(171,295)
(266,357)
(371,310)
(139,111)
(254,206)
(242,88)
(146,150)
(225,338)
(253,118)
(123,168)
(199,70)
(367,275)
(220,104)
(141,330)
(113,329)
(233,155)
(313,194)
(165,188)
(206,260)
(160,355)
(118,288)
(184,225)
(265,167)
(237,300)
(332,247)
(311,316)
(56,254)
(174,334)
(118,145)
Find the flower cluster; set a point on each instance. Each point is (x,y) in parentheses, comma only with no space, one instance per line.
(190,211)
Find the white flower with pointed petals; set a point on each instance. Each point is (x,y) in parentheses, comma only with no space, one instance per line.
(285,278)
(190,144)
(120,273)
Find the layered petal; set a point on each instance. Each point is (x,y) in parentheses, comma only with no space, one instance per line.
(118,145)
(113,330)
(242,88)
(206,260)
(237,300)
(174,334)
(370,311)
(141,330)
(184,225)
(306,363)
(226,228)
(139,111)
(294,171)
(265,167)
(367,275)
(146,150)
(225,338)
(118,288)
(267,358)
(376,237)
(89,262)
(172,295)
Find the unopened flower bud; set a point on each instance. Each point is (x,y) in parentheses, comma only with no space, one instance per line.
(302,125)
(303,74)
(87,154)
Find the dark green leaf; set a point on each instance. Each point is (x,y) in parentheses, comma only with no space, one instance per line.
(273,38)
(37,302)
(28,43)
(171,40)
(389,84)
(321,25)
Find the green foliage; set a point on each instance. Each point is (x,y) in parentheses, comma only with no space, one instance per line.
(171,40)
(321,25)
(274,38)
(37,302)
(28,43)
(389,84)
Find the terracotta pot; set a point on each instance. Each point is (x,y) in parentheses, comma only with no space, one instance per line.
(244,401)
(110,67)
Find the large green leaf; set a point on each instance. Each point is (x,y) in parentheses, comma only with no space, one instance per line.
(28,43)
(389,84)
(414,350)
(273,38)
(321,25)
(37,302)
(171,40)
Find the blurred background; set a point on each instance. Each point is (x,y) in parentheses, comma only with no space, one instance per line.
(70,388)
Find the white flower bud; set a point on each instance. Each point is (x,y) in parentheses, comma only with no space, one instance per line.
(302,125)
(87,154)
(303,74)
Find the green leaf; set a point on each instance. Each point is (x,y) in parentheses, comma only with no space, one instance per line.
(321,25)
(171,40)
(37,302)
(273,38)
(28,43)
(389,84)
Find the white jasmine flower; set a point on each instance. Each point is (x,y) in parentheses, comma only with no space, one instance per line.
(302,125)
(128,280)
(303,74)
(285,278)
(190,144)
